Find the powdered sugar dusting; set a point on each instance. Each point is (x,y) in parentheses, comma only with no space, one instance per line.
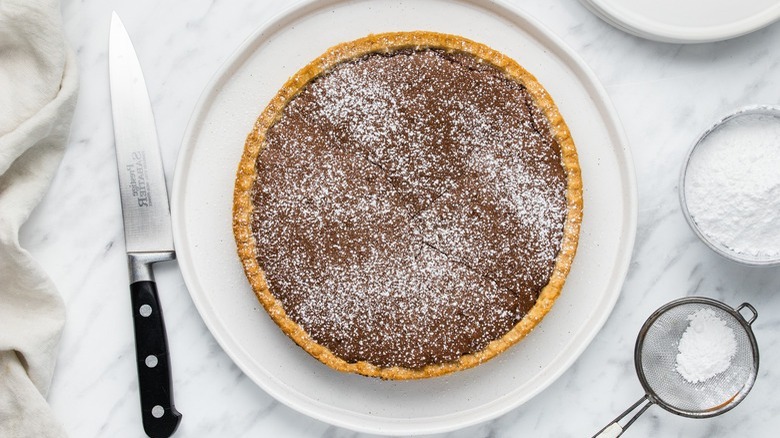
(409,207)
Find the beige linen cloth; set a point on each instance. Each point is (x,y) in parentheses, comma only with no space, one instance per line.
(38,85)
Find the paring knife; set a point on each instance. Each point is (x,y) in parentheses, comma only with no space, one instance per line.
(147,221)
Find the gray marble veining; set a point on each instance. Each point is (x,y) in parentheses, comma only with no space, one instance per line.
(665,94)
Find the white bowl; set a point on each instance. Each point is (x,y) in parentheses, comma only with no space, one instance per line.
(717,246)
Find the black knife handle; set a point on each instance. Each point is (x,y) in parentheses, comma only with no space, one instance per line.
(160,417)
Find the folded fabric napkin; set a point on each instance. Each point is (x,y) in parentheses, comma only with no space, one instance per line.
(38,87)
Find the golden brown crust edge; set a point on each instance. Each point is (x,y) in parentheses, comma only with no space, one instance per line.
(246,175)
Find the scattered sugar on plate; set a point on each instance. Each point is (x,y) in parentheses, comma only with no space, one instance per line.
(706,347)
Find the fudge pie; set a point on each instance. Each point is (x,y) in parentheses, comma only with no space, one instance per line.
(408,205)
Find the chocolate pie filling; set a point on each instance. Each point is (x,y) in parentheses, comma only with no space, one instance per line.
(409,207)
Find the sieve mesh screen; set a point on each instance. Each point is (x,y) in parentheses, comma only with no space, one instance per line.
(657,359)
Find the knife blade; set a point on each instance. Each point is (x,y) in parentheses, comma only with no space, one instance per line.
(147,226)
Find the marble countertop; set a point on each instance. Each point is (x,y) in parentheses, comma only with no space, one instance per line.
(665,94)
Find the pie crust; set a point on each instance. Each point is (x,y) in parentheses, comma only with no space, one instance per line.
(385,43)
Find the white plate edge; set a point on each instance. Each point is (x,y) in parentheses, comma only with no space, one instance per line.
(637,25)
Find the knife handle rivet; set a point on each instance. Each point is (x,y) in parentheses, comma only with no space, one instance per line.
(145,310)
(158,411)
(151,361)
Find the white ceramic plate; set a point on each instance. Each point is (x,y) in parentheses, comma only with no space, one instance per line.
(686,21)
(202,201)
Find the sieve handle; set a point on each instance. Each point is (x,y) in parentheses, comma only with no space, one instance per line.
(752,310)
(614,429)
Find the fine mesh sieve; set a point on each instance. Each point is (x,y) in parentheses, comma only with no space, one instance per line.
(655,358)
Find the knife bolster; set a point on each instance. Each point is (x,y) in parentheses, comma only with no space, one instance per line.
(140,264)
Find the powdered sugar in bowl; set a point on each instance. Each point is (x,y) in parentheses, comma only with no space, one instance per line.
(730,186)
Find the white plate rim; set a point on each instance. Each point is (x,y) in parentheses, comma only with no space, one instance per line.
(447,422)
(644,27)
